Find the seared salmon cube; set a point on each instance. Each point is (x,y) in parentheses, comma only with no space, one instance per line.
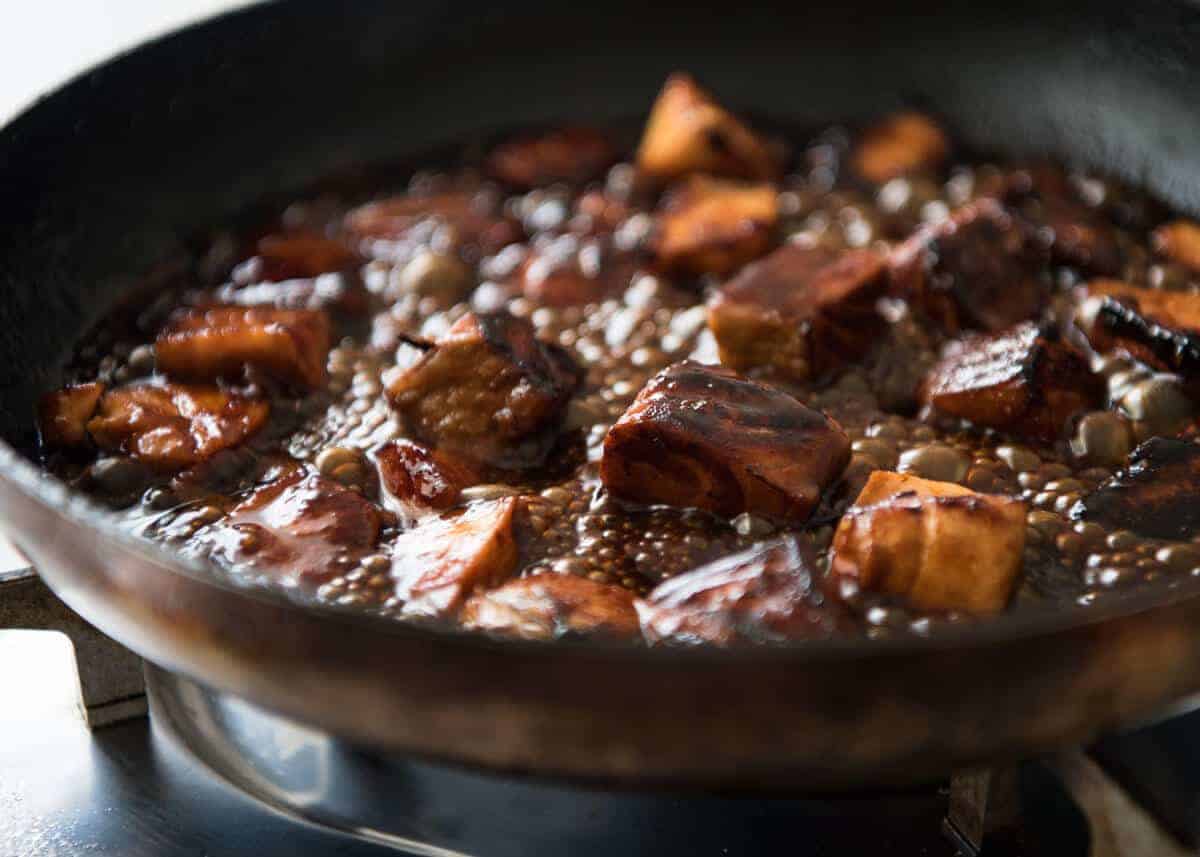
(488,391)
(569,155)
(1155,495)
(173,426)
(554,606)
(903,143)
(1023,381)
(289,345)
(420,479)
(689,132)
(1158,327)
(473,219)
(713,226)
(569,270)
(1179,241)
(766,594)
(704,437)
(801,311)
(1078,235)
(979,268)
(63,415)
(295,255)
(936,545)
(300,530)
(439,563)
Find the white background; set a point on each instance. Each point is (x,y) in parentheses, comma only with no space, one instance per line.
(44,42)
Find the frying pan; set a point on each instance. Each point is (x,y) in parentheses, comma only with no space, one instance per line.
(108,174)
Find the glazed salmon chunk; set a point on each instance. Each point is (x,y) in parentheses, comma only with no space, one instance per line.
(903,143)
(801,311)
(300,530)
(766,594)
(1154,495)
(1025,381)
(1179,241)
(439,563)
(1159,328)
(1078,234)
(420,479)
(553,606)
(172,426)
(689,132)
(936,545)
(704,437)
(63,414)
(289,345)
(572,155)
(713,226)
(295,255)
(979,269)
(488,392)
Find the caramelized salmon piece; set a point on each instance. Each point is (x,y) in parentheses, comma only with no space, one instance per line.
(712,226)
(1158,327)
(979,269)
(301,530)
(1155,495)
(1179,241)
(295,255)
(173,426)
(937,545)
(801,311)
(704,437)
(570,270)
(441,561)
(1078,235)
(488,392)
(688,132)
(765,594)
(903,143)
(1024,381)
(553,606)
(568,155)
(474,219)
(63,414)
(290,345)
(420,478)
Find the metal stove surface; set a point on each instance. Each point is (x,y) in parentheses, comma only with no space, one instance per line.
(212,775)
(209,774)
(423,808)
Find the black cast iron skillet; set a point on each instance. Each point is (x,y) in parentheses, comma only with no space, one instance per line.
(103,177)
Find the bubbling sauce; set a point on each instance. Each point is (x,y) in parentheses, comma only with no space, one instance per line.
(481,494)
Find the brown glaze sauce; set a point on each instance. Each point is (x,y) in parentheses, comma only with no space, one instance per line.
(614,259)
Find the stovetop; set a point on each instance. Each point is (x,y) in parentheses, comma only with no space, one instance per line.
(211,775)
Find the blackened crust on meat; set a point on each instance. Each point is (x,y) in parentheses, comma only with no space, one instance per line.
(1174,349)
(1026,380)
(545,365)
(1154,496)
(488,392)
(977,269)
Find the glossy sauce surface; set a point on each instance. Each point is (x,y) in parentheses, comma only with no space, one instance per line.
(621,264)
